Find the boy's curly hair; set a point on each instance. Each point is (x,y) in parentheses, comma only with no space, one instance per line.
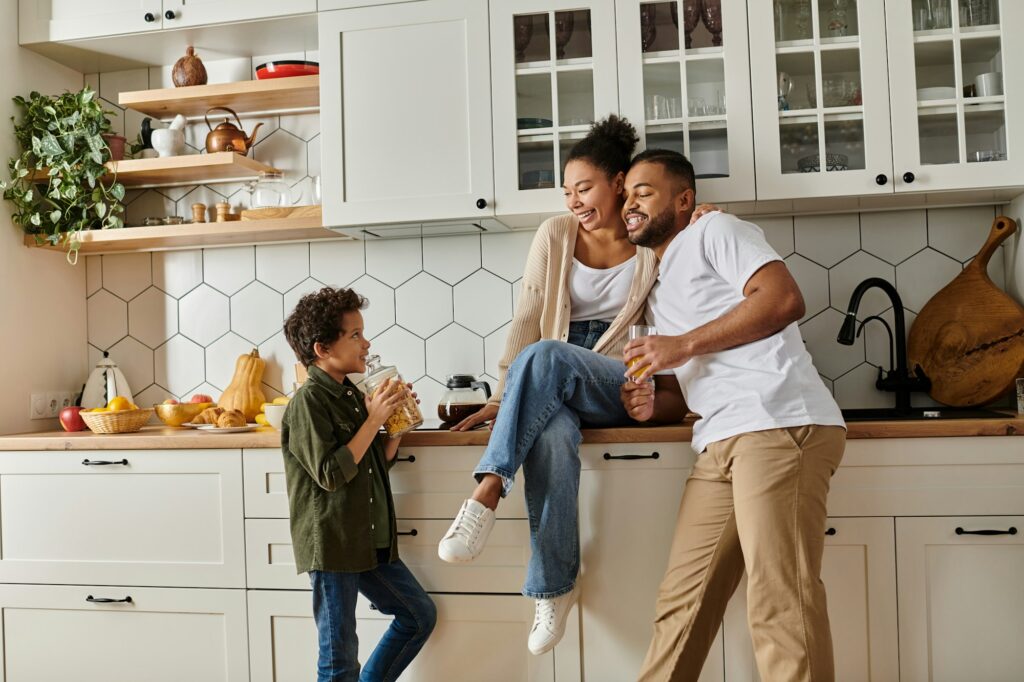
(317,319)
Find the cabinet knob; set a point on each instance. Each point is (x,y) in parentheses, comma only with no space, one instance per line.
(881,179)
(169,14)
(149,17)
(481,203)
(908,177)
(830,531)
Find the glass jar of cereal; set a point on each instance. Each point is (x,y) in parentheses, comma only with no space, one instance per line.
(406,416)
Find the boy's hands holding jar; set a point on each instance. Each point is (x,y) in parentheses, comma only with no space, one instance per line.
(383,402)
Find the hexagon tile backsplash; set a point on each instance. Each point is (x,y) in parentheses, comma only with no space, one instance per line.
(175,321)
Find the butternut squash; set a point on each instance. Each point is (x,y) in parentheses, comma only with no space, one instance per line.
(244,393)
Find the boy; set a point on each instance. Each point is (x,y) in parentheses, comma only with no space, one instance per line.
(339,497)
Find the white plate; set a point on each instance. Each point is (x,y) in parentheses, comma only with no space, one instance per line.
(190,425)
(213,428)
(924,94)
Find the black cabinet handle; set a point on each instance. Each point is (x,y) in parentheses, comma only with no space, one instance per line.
(169,14)
(149,17)
(830,531)
(609,456)
(105,600)
(1011,531)
(481,203)
(908,177)
(412,532)
(410,459)
(881,179)
(103,462)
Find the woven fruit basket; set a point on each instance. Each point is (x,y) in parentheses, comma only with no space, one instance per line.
(123,421)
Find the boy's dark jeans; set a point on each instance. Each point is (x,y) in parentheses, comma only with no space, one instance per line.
(395,592)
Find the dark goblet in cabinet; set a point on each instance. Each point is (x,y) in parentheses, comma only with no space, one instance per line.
(648,27)
(711,13)
(691,15)
(522,26)
(564,22)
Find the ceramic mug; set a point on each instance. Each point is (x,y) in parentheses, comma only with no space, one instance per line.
(989,84)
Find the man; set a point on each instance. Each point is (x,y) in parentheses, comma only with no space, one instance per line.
(769,438)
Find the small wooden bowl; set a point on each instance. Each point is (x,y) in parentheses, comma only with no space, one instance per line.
(123,421)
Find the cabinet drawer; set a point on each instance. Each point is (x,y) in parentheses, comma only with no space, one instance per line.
(427,483)
(494,628)
(637,456)
(52,632)
(501,567)
(150,517)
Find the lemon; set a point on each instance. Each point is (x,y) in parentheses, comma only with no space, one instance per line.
(280,401)
(119,404)
(261,419)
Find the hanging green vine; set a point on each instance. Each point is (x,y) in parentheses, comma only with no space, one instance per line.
(55,183)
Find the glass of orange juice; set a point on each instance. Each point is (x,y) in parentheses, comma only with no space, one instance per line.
(638,331)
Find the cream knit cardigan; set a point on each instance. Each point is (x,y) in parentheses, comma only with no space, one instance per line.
(543,308)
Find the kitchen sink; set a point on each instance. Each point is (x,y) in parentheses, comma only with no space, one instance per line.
(919,414)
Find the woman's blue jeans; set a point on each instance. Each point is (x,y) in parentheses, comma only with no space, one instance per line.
(551,389)
(394,591)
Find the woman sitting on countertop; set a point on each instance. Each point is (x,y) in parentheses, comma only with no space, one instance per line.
(584,284)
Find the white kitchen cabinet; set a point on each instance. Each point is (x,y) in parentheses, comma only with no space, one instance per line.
(961,598)
(123,517)
(58,632)
(405,114)
(885,120)
(859,572)
(63,20)
(500,568)
(476,637)
(946,135)
(628,510)
(688,90)
(553,73)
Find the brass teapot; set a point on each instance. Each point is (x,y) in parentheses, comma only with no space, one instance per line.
(226,137)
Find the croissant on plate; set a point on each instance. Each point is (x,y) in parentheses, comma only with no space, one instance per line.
(209,415)
(231,418)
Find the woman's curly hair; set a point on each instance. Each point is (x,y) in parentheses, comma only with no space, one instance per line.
(317,319)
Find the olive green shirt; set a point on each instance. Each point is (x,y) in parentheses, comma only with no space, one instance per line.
(340,511)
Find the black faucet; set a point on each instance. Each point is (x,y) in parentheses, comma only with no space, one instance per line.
(898,378)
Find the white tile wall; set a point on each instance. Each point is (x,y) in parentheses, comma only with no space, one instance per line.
(176,321)
(446,315)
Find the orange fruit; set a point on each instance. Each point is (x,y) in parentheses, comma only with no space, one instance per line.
(119,403)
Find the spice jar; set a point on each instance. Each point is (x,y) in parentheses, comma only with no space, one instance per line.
(406,416)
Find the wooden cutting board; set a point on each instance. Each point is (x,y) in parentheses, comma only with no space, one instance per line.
(280,213)
(969,338)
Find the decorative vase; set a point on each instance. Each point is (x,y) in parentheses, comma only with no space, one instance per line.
(116,145)
(188,70)
(711,13)
(648,27)
(564,22)
(522,27)
(691,15)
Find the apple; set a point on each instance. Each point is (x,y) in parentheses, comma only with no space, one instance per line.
(170,401)
(201,398)
(71,420)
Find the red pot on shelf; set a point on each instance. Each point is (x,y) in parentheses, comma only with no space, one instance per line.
(116,145)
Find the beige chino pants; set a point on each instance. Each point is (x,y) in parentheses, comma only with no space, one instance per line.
(755,501)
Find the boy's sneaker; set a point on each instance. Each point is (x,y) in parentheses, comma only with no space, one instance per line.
(549,622)
(467,535)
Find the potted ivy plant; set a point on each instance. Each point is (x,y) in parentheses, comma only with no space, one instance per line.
(57,185)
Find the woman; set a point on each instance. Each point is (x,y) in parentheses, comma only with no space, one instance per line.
(584,284)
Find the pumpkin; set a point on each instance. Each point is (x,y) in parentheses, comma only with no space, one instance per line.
(244,392)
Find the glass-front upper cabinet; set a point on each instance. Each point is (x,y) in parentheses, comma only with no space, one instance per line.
(552,74)
(821,98)
(957,70)
(684,82)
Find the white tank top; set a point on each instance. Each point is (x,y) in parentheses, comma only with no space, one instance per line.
(599,294)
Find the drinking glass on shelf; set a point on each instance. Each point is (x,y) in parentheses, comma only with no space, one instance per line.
(639,331)
(940,16)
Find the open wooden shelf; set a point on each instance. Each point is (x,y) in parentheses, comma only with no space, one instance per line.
(197,235)
(187,169)
(276,95)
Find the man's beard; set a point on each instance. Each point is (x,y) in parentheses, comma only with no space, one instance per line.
(657,230)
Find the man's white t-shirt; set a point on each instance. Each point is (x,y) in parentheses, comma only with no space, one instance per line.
(766,384)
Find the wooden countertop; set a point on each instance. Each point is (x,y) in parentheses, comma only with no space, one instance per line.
(170,438)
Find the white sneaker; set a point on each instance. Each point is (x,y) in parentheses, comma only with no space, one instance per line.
(549,622)
(468,533)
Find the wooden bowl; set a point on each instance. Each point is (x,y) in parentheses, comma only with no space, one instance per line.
(123,421)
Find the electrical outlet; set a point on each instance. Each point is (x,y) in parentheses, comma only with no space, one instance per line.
(38,409)
(53,400)
(66,398)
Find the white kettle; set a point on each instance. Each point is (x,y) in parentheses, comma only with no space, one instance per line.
(105,382)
